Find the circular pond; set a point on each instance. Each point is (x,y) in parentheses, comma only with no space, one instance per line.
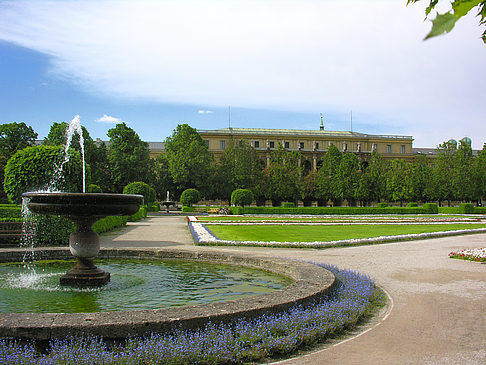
(135,285)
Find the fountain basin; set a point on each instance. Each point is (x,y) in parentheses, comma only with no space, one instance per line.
(310,282)
(83,209)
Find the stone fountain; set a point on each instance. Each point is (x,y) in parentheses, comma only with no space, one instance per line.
(168,203)
(84,210)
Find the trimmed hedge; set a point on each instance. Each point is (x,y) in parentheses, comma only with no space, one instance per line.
(288,205)
(411,204)
(10,211)
(466,208)
(242,197)
(141,188)
(430,208)
(382,205)
(190,197)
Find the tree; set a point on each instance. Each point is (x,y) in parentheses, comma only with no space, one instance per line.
(462,174)
(419,179)
(163,181)
(39,168)
(14,137)
(283,176)
(190,197)
(327,186)
(242,197)
(398,181)
(347,177)
(128,157)
(440,187)
(239,168)
(479,174)
(189,160)
(444,23)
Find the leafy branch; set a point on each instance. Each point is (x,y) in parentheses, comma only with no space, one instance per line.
(444,23)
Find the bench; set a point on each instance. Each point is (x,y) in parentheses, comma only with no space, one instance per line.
(213,210)
(200,209)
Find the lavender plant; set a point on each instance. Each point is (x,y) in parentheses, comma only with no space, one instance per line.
(272,335)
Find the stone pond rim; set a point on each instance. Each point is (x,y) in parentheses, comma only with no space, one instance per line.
(83,204)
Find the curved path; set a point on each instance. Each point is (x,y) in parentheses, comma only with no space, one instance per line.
(438,305)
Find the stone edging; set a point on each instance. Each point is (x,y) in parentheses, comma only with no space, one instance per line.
(311,281)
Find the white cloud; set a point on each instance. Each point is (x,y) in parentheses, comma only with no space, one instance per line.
(108,119)
(205,112)
(301,55)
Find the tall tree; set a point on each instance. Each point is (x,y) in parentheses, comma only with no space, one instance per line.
(239,168)
(440,187)
(128,157)
(190,162)
(398,181)
(327,185)
(462,174)
(419,179)
(348,177)
(479,175)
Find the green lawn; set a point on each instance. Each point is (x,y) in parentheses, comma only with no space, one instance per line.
(297,233)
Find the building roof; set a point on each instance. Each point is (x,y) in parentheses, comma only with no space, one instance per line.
(300,132)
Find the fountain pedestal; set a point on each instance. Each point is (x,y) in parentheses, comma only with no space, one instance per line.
(84,243)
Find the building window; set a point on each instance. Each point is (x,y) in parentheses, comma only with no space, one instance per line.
(388,148)
(256,144)
(222,145)
(207,143)
(402,148)
(272,144)
(345,147)
(358,147)
(301,145)
(316,146)
(287,145)
(375,147)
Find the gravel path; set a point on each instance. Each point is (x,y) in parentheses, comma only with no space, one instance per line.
(437,312)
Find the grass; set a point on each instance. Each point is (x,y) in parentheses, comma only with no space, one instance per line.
(296,233)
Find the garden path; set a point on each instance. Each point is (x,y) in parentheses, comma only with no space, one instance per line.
(438,305)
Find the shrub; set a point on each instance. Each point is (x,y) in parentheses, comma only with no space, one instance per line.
(466,208)
(93,188)
(141,188)
(242,197)
(154,207)
(332,210)
(35,168)
(10,211)
(50,230)
(190,197)
(411,204)
(142,213)
(431,208)
(382,205)
(288,205)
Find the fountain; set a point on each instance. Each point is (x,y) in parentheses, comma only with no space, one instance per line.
(168,202)
(83,209)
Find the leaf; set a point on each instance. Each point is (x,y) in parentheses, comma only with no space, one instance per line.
(443,23)
(462,7)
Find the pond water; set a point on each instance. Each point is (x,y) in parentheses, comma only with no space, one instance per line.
(134,285)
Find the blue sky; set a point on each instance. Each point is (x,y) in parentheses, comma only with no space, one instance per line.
(278,63)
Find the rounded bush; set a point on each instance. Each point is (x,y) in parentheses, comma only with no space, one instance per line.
(190,197)
(412,205)
(93,188)
(37,168)
(382,205)
(141,188)
(242,197)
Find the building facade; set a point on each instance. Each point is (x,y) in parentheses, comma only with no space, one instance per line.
(313,144)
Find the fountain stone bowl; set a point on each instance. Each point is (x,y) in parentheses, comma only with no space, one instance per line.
(83,209)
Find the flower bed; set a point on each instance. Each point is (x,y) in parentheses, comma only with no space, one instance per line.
(203,236)
(475,254)
(355,297)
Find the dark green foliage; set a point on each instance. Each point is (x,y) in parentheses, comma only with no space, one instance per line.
(128,157)
(382,205)
(142,213)
(153,207)
(190,163)
(411,204)
(108,223)
(431,208)
(242,197)
(10,211)
(51,230)
(190,197)
(93,188)
(466,208)
(32,169)
(141,188)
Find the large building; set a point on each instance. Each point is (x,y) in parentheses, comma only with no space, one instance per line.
(313,144)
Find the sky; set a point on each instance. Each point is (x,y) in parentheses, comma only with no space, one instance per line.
(248,64)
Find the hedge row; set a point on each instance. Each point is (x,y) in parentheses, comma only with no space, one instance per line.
(429,208)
